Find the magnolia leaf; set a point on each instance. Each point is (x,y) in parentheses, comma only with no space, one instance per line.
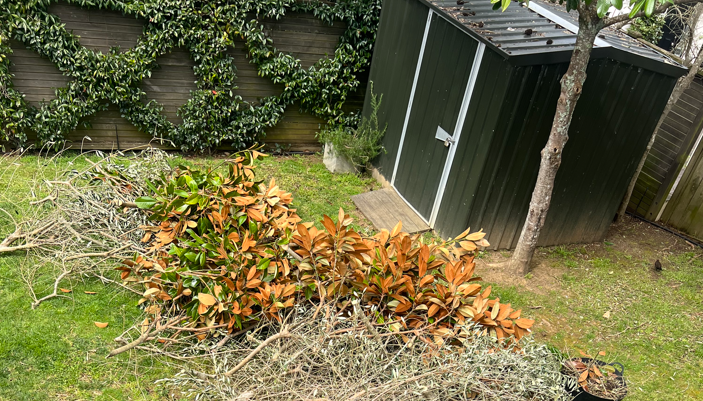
(396,229)
(464,234)
(524,323)
(476,236)
(206,299)
(468,245)
(151,292)
(145,202)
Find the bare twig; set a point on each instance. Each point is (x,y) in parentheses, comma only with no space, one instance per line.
(283,334)
(54,294)
(146,335)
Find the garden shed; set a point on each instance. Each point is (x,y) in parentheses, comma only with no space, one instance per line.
(469,95)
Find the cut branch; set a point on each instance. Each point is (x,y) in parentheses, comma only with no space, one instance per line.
(145,336)
(56,289)
(283,334)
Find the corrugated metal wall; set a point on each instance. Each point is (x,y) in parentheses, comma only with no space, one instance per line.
(670,149)
(612,124)
(497,161)
(302,35)
(394,59)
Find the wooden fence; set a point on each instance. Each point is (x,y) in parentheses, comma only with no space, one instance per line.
(301,35)
(662,170)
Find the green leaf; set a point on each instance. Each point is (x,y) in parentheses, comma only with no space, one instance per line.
(602,7)
(637,7)
(649,7)
(263,264)
(505,4)
(617,4)
(145,202)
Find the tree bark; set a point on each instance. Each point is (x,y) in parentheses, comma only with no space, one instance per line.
(683,83)
(571,87)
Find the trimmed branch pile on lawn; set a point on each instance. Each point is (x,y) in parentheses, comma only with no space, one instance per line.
(326,358)
(220,257)
(77,225)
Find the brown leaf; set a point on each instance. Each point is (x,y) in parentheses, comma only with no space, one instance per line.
(524,323)
(476,236)
(434,308)
(583,377)
(90,292)
(101,325)
(396,229)
(206,299)
(65,290)
(468,245)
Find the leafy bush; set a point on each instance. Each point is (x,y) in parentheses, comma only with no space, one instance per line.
(651,28)
(230,251)
(358,145)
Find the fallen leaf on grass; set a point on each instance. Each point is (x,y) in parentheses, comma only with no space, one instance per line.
(607,315)
(65,290)
(101,325)
(90,292)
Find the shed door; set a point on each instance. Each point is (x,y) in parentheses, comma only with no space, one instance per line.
(433,112)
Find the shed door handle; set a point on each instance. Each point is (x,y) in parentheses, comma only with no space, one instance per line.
(444,136)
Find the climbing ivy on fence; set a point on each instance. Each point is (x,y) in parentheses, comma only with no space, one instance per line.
(213,116)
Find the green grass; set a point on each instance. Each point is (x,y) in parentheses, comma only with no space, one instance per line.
(654,328)
(56,352)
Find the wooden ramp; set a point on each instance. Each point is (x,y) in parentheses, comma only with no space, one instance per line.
(384,208)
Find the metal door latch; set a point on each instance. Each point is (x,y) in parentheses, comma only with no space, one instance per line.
(444,136)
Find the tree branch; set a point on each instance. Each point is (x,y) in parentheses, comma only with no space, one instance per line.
(148,333)
(283,334)
(56,289)
(658,10)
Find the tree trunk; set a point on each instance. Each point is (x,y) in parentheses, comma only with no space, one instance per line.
(571,86)
(683,83)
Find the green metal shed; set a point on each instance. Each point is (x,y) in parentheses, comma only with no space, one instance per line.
(469,95)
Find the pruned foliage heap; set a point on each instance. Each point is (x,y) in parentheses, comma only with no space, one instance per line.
(229,251)
(343,364)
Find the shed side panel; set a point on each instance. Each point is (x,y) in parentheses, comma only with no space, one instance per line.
(475,155)
(395,57)
(612,124)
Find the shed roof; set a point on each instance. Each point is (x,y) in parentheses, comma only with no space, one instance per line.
(552,36)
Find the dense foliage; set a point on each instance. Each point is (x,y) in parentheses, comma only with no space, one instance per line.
(214,115)
(651,28)
(230,251)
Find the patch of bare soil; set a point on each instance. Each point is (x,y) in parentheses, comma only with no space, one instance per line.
(628,237)
(543,277)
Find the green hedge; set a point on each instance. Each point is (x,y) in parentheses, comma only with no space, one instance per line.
(213,116)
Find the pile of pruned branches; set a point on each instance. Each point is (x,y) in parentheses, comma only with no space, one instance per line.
(84,220)
(232,282)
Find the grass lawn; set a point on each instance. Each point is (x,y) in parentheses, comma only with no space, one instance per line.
(655,319)
(653,325)
(56,352)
